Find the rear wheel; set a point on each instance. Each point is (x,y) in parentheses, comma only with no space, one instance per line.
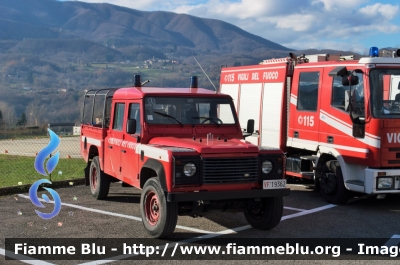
(159,217)
(332,183)
(268,215)
(99,181)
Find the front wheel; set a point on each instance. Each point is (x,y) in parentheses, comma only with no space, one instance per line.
(99,181)
(332,183)
(159,217)
(268,215)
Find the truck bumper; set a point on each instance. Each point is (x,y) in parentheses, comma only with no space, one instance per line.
(225,195)
(372,179)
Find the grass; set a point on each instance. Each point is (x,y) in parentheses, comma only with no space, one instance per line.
(17,170)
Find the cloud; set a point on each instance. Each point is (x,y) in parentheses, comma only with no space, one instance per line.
(295,22)
(386,11)
(335,5)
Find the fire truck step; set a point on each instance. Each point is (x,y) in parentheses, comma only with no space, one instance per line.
(310,158)
(307,173)
(355,182)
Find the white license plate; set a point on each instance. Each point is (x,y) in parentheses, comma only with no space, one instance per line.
(274,184)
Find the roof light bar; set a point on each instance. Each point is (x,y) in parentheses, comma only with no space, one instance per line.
(373,52)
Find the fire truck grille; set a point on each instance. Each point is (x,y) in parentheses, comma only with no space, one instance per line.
(230,170)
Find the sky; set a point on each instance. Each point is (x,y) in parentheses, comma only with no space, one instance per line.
(352,25)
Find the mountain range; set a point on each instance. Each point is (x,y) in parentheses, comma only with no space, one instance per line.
(45,25)
(51,51)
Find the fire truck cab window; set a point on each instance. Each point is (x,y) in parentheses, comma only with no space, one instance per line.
(134,113)
(308,91)
(118,116)
(341,94)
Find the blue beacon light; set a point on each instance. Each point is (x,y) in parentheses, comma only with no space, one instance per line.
(373,52)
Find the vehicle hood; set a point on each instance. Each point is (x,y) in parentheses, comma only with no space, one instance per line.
(203,146)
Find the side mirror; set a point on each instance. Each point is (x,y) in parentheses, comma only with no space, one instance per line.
(250,126)
(131,126)
(249,129)
(346,80)
(359,130)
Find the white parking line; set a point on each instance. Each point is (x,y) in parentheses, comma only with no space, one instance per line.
(207,234)
(294,209)
(23,258)
(308,211)
(212,235)
(393,241)
(120,215)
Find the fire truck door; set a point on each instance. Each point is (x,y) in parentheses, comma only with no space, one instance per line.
(249,108)
(304,117)
(129,157)
(115,138)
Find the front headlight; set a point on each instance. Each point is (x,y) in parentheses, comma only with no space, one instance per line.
(189,169)
(385,183)
(266,167)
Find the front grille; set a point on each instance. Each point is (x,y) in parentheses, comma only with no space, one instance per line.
(230,170)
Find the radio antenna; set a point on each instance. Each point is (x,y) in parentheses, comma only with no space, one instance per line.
(206,75)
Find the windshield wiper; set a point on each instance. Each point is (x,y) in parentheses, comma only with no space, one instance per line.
(208,119)
(169,116)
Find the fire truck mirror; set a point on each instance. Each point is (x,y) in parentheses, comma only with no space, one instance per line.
(131,126)
(351,79)
(359,130)
(250,126)
(339,71)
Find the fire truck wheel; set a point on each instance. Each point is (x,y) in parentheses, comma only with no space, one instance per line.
(268,215)
(159,217)
(99,181)
(332,184)
(317,185)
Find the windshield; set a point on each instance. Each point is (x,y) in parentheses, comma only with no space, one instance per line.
(193,110)
(385,93)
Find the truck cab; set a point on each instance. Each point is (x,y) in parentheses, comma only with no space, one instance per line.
(337,118)
(184,148)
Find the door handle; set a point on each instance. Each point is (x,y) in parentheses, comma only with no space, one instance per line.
(123,151)
(330,139)
(110,146)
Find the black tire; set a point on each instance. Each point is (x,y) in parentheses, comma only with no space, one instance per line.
(99,181)
(268,215)
(159,217)
(333,189)
(317,184)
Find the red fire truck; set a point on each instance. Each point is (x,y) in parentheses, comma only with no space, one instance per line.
(184,148)
(338,121)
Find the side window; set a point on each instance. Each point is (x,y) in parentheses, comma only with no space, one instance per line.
(119,116)
(108,112)
(134,113)
(338,94)
(341,94)
(308,91)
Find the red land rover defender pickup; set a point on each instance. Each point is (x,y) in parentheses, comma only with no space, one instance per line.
(184,148)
